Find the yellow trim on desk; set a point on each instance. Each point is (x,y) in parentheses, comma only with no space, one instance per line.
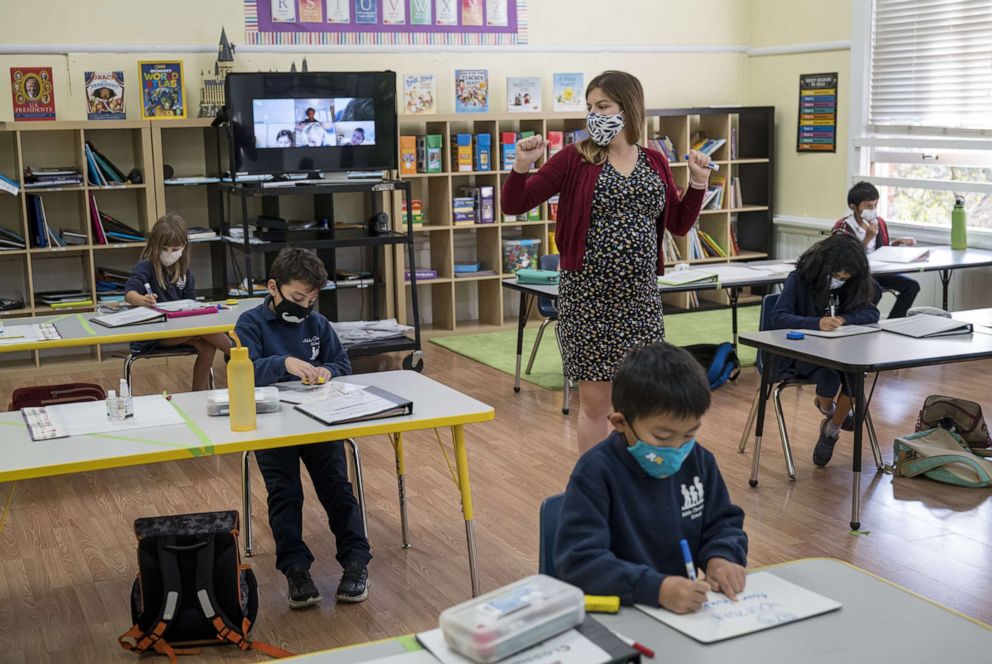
(884,580)
(118,338)
(356,645)
(374,428)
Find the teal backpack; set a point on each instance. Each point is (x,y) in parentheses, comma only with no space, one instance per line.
(941,455)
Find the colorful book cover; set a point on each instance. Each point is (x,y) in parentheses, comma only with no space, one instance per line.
(420,12)
(472,12)
(568,93)
(408,155)
(33,93)
(311,11)
(419,93)
(163,92)
(366,11)
(471,90)
(104,95)
(523,94)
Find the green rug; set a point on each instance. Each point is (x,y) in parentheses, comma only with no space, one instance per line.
(499,349)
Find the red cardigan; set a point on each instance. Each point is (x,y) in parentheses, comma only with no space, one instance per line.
(575,180)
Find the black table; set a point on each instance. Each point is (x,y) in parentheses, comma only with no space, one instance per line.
(854,356)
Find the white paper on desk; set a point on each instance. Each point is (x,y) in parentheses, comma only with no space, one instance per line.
(133,316)
(17,334)
(890,254)
(740,273)
(774,268)
(79,419)
(296,392)
(580,650)
(354,405)
(767,601)
(180,305)
(843,331)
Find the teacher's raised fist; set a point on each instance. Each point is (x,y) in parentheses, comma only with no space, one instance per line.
(529,150)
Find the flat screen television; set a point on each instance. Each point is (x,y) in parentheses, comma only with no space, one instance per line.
(312,122)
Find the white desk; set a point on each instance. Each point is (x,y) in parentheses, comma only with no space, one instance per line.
(434,406)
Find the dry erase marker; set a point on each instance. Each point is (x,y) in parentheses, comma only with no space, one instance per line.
(713,166)
(690,568)
(148,288)
(639,647)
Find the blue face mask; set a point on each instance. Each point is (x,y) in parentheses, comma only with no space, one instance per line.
(660,461)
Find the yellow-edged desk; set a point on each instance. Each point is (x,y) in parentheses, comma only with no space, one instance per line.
(77,328)
(878,622)
(434,406)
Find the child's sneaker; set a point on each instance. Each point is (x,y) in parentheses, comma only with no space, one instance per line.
(302,590)
(354,586)
(824,449)
(848,423)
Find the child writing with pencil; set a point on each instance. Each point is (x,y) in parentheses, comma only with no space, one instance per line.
(830,287)
(163,275)
(633,497)
(287,340)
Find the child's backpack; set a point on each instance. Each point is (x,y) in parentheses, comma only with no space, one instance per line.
(191,588)
(961,416)
(719,361)
(46,395)
(943,456)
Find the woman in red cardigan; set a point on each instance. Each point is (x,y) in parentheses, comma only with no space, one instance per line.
(616,199)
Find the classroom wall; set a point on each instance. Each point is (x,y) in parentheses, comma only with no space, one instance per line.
(669,79)
(806,185)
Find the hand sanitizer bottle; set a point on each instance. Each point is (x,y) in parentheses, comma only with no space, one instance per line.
(125,393)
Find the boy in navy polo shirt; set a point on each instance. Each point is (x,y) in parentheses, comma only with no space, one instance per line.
(648,485)
(288,340)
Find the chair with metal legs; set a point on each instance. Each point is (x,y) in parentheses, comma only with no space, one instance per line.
(356,471)
(546,307)
(161,351)
(775,390)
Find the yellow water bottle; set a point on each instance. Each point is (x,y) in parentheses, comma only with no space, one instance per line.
(241,387)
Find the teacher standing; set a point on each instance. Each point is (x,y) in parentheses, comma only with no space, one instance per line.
(616,199)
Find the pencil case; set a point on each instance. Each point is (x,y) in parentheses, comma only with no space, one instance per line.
(266,401)
(537,277)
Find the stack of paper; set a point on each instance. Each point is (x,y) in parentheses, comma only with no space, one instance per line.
(899,254)
(18,334)
(363,331)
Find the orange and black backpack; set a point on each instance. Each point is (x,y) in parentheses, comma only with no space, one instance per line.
(191,588)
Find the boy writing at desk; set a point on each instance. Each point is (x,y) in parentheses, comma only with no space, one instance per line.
(635,495)
(288,340)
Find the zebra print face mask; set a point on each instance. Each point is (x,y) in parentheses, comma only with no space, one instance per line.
(604,128)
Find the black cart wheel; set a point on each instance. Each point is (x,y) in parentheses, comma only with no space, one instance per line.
(414,361)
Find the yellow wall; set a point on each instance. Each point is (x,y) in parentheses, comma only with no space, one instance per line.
(806,185)
(669,79)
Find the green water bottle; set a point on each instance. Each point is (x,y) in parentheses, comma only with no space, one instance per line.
(959,225)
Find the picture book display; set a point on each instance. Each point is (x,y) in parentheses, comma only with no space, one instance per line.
(523,94)
(419,93)
(313,122)
(471,90)
(569,93)
(104,95)
(33,93)
(767,601)
(163,91)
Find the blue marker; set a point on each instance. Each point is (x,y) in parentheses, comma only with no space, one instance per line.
(713,166)
(690,568)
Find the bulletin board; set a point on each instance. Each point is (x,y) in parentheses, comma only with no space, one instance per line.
(817,113)
(386,22)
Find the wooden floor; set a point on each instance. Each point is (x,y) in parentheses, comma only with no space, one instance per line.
(67,553)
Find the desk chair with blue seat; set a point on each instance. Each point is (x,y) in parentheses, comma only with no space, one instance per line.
(548,528)
(775,389)
(546,307)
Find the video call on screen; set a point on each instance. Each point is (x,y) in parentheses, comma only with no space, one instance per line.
(301,123)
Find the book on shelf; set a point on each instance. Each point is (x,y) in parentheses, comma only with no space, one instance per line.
(556,141)
(483,152)
(735,248)
(700,143)
(575,136)
(108,169)
(467,267)
(408,155)
(471,90)
(568,92)
(553,208)
(461,152)
(713,200)
(429,153)
(11,239)
(733,142)
(32,93)
(710,245)
(419,93)
(478,273)
(104,95)
(508,141)
(36,221)
(9,186)
(113,275)
(422,274)
(671,248)
(664,145)
(99,237)
(523,94)
(416,211)
(200,233)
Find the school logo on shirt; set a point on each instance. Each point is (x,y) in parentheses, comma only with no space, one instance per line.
(314,346)
(693,499)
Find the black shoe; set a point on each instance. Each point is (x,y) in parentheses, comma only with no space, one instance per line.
(824,449)
(848,423)
(354,586)
(302,590)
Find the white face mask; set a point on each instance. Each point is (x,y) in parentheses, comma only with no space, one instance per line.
(836,283)
(869,215)
(169,258)
(604,128)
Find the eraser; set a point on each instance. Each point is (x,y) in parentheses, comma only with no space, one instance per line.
(231,302)
(795,335)
(602,604)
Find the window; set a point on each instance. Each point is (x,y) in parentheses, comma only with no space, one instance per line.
(926,108)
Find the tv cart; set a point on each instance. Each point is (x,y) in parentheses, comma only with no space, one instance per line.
(326,243)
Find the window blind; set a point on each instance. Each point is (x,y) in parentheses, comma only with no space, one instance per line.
(931,65)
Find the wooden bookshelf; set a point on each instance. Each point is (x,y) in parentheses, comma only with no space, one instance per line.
(127,144)
(460,301)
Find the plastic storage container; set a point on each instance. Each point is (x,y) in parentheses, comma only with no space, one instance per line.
(241,389)
(518,254)
(266,401)
(512,618)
